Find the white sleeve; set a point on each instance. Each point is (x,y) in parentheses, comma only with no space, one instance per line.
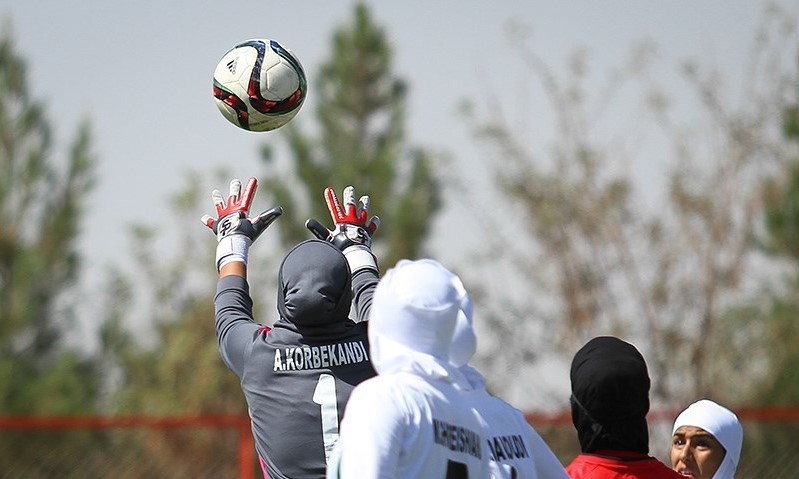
(371,433)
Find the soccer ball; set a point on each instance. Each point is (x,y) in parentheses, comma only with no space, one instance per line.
(259,85)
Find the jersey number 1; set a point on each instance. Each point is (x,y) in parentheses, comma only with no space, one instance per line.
(325,396)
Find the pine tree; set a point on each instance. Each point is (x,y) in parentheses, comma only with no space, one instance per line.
(781,240)
(360,109)
(41,204)
(361,115)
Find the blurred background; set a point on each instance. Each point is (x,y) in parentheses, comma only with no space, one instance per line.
(621,168)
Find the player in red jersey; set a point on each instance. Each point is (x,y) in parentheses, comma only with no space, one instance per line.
(609,402)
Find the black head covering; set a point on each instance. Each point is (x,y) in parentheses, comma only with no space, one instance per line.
(314,285)
(610,396)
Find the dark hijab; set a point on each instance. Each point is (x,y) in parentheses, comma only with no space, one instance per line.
(314,285)
(610,396)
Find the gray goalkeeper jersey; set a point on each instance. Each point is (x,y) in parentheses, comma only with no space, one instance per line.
(298,375)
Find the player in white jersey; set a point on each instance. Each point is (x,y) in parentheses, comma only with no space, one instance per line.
(413,419)
(514,447)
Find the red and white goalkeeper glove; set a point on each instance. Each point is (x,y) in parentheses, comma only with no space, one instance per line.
(353,230)
(233,227)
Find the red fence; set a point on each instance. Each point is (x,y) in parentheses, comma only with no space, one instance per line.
(221,446)
(244,466)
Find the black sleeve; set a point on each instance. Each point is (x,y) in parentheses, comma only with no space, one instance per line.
(364,283)
(235,327)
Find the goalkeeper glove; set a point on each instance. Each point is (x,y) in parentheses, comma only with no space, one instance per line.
(234,229)
(353,230)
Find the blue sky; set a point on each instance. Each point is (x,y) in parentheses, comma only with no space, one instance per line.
(141,71)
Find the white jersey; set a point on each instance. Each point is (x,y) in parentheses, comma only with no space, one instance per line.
(404,426)
(514,448)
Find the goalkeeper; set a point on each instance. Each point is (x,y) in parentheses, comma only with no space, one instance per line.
(296,376)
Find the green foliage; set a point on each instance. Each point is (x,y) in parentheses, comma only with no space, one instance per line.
(174,368)
(782,215)
(158,344)
(361,113)
(159,347)
(41,203)
(781,240)
(183,373)
(595,259)
(790,123)
(780,386)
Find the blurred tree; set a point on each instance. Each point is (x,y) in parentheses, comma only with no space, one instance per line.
(360,108)
(781,239)
(773,315)
(361,113)
(176,369)
(170,365)
(158,341)
(591,258)
(41,203)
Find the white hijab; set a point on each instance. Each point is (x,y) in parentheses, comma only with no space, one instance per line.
(412,320)
(464,345)
(723,424)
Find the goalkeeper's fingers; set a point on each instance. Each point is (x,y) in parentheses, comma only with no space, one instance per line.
(351,209)
(317,229)
(235,191)
(362,209)
(333,205)
(219,202)
(249,193)
(374,223)
(208,221)
(262,221)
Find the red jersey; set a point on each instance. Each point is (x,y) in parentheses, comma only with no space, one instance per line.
(619,465)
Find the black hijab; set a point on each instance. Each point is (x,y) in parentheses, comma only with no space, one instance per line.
(314,285)
(610,396)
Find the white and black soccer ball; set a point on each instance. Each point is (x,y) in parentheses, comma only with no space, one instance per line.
(259,85)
